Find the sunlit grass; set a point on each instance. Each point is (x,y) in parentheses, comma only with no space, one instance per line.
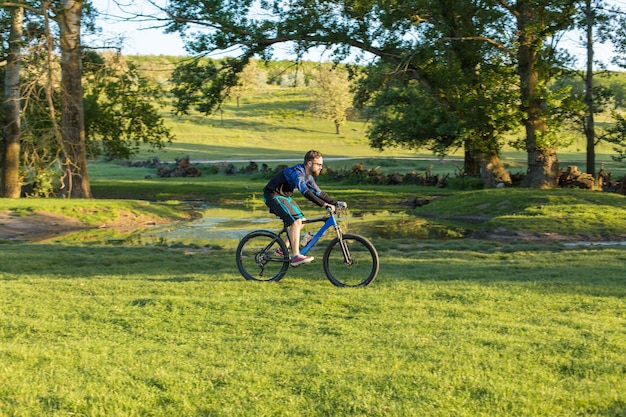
(567,212)
(152,330)
(105,324)
(90,212)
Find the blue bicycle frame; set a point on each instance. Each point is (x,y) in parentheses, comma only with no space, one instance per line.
(328,223)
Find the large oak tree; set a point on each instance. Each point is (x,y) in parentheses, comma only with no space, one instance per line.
(426,41)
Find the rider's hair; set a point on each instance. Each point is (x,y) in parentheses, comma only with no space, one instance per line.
(311,155)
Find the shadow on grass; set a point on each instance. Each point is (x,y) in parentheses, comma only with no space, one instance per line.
(93,261)
(597,271)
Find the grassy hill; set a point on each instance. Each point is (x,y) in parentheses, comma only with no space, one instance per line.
(274,123)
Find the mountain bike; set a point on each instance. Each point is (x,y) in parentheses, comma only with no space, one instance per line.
(349,260)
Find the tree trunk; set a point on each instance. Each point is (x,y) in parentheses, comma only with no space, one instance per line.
(493,171)
(543,168)
(590,133)
(75,176)
(10,159)
(471,161)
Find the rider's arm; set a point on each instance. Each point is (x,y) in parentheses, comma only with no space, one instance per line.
(308,187)
(315,194)
(320,200)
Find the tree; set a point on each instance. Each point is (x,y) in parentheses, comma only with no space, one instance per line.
(34,106)
(589,125)
(204,84)
(75,173)
(247,83)
(383,29)
(616,135)
(121,107)
(537,21)
(594,18)
(417,37)
(618,37)
(332,98)
(10,186)
(68,15)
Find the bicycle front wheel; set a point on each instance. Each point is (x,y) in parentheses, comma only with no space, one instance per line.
(257,259)
(351,261)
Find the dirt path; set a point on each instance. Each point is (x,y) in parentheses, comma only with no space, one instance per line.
(43,225)
(36,226)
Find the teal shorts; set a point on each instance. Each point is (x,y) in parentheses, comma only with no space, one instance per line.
(284,207)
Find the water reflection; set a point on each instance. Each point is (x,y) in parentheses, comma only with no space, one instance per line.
(219,226)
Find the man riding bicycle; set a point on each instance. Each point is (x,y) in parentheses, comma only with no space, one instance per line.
(278,193)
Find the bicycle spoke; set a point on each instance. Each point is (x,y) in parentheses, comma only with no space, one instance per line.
(257,258)
(358,266)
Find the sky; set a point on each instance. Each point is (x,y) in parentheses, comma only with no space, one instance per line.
(142,39)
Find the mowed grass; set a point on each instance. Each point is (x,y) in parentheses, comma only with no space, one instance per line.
(460,327)
(271,124)
(274,123)
(107,330)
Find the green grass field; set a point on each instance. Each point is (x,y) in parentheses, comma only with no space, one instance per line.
(101,323)
(467,327)
(484,330)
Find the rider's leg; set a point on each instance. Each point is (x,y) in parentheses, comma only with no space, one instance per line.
(294,236)
(289,211)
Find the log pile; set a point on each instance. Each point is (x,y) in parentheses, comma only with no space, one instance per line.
(182,168)
(606,182)
(573,178)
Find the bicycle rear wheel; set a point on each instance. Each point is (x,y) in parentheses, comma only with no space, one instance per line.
(359,266)
(257,259)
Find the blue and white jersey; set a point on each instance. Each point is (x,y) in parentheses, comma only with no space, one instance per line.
(294,178)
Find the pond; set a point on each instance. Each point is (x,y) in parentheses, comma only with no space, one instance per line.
(221,226)
(218,225)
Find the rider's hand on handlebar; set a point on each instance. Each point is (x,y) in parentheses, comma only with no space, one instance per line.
(342,204)
(330,208)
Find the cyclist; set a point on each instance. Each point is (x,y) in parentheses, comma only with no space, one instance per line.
(278,193)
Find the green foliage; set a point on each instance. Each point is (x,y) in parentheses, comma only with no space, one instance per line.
(433,85)
(41,183)
(465,183)
(121,108)
(408,116)
(249,80)
(616,135)
(449,113)
(570,106)
(332,99)
(203,84)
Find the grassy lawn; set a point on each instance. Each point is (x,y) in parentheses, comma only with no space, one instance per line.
(103,324)
(274,124)
(463,327)
(489,329)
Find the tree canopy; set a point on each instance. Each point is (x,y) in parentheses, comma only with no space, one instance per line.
(47,131)
(455,58)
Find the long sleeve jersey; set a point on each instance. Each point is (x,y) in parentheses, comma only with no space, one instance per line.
(289,180)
